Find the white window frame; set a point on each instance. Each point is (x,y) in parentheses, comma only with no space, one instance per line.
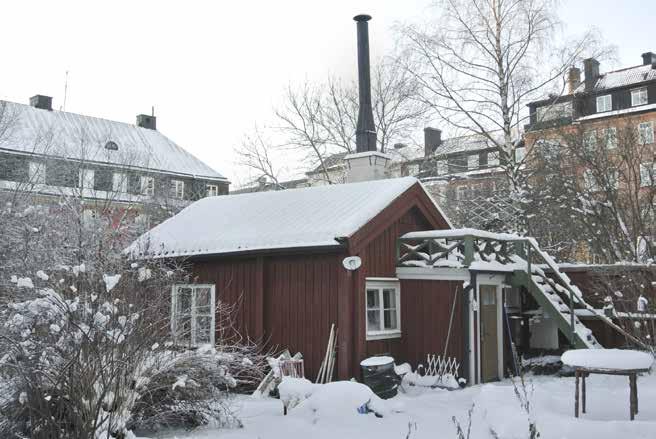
(37,173)
(604,103)
(86,178)
(520,154)
(590,140)
(647,173)
(177,189)
(642,130)
(590,181)
(639,96)
(381,284)
(473,162)
(212,190)
(193,313)
(147,185)
(492,158)
(610,134)
(119,182)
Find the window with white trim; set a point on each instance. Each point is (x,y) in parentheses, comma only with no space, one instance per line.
(590,181)
(590,140)
(472,161)
(520,153)
(147,185)
(639,97)
(177,189)
(647,174)
(604,103)
(646,133)
(493,159)
(610,135)
(37,173)
(192,314)
(120,182)
(383,300)
(212,190)
(86,179)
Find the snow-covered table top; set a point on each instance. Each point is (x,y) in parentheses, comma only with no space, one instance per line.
(608,359)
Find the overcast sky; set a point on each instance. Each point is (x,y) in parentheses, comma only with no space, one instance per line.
(213,69)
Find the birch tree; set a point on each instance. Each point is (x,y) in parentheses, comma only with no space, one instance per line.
(482,61)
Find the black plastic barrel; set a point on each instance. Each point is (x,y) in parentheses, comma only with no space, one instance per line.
(378,374)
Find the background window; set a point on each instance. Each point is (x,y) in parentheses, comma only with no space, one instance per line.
(638,97)
(611,137)
(472,161)
(442,167)
(37,173)
(147,185)
(212,190)
(493,159)
(86,179)
(177,189)
(647,174)
(192,316)
(646,133)
(604,103)
(590,140)
(119,182)
(383,309)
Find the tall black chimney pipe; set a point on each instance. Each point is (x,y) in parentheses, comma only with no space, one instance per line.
(365,133)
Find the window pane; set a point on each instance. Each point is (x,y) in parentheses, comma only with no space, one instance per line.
(183,301)
(373,302)
(390,319)
(389,298)
(183,328)
(203,330)
(373,320)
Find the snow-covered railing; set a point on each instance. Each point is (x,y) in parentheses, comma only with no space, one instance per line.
(481,250)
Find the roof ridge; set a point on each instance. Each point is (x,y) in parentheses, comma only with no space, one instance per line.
(623,69)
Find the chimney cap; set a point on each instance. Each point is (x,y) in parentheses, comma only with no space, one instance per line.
(362,17)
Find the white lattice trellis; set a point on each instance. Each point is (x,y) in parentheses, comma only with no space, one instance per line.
(439,367)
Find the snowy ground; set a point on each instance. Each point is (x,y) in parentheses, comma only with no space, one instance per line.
(428,414)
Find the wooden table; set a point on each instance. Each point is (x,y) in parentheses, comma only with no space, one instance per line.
(582,372)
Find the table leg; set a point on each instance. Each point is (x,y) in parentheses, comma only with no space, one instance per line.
(631,396)
(576,396)
(583,391)
(635,392)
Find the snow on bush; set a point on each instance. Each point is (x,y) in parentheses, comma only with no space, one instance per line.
(87,358)
(293,391)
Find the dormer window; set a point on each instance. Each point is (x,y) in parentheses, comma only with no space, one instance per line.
(472,161)
(112,146)
(638,97)
(604,103)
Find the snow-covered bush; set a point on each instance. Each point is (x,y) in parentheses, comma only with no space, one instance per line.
(89,357)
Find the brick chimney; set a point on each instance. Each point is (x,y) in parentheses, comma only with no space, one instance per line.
(432,140)
(42,102)
(146,121)
(648,58)
(591,68)
(367,163)
(573,79)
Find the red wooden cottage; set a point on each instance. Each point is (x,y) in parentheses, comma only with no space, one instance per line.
(280,256)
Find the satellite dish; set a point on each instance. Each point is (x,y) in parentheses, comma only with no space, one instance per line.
(352,263)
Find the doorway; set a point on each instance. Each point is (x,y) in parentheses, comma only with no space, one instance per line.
(490,330)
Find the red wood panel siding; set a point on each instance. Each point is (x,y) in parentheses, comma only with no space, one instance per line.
(426,310)
(235,281)
(379,260)
(301,303)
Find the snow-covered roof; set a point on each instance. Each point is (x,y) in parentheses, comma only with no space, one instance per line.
(622,78)
(294,218)
(74,136)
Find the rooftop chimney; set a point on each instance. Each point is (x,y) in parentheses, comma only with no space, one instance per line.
(146,121)
(648,58)
(591,67)
(42,102)
(432,140)
(365,134)
(573,79)
(367,163)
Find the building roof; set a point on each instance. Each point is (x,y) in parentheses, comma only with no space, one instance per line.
(74,136)
(317,216)
(623,77)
